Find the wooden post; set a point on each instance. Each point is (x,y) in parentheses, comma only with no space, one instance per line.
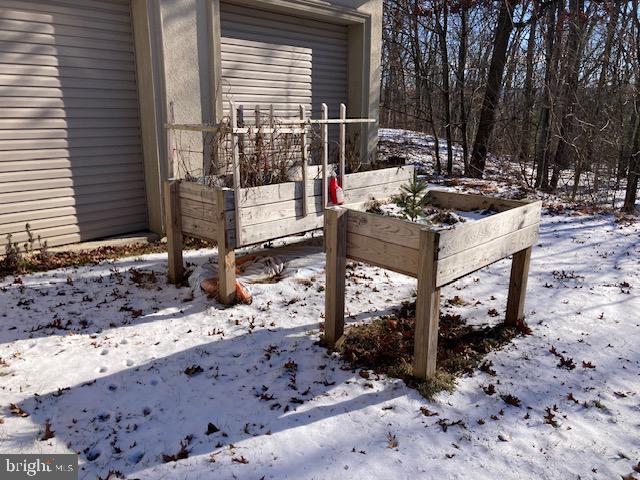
(343,145)
(226,255)
(305,159)
(173,227)
(324,128)
(235,153)
(518,286)
(427,308)
(335,234)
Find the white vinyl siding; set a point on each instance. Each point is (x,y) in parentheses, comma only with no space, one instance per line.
(70,149)
(271,58)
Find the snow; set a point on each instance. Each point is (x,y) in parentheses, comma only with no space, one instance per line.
(112,381)
(125,399)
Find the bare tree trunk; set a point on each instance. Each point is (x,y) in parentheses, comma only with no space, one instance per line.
(492,94)
(462,64)
(634,158)
(552,42)
(441,30)
(525,132)
(565,148)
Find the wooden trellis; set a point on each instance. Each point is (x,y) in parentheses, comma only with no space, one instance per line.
(240,216)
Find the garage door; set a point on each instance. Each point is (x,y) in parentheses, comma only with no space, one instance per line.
(70,151)
(269,58)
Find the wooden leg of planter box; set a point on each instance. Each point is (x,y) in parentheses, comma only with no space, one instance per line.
(335,238)
(518,286)
(427,308)
(173,227)
(226,256)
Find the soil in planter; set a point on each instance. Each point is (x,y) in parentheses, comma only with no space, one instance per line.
(386,347)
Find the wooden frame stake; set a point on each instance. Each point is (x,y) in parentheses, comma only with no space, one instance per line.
(173,228)
(335,221)
(427,307)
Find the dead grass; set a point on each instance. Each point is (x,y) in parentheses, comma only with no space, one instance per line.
(39,261)
(386,346)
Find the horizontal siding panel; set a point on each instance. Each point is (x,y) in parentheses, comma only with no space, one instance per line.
(76,162)
(261,19)
(33,185)
(53,217)
(19,134)
(59,19)
(42,86)
(64,62)
(67,152)
(63,30)
(241,66)
(67,201)
(60,41)
(73,77)
(126,185)
(59,50)
(70,173)
(55,7)
(72,224)
(48,102)
(65,92)
(67,112)
(90,231)
(267,60)
(91,6)
(69,123)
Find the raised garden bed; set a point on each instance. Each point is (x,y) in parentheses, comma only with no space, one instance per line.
(434,256)
(265,213)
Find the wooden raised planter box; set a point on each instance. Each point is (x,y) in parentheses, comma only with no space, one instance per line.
(435,257)
(266,213)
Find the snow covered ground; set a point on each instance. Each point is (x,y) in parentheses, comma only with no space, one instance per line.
(125,368)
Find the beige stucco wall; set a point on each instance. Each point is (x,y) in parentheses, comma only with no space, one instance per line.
(183,41)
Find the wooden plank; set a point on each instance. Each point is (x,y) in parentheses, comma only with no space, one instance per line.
(335,234)
(305,160)
(388,229)
(380,177)
(197,192)
(375,192)
(277,211)
(281,228)
(470,260)
(235,152)
(468,235)
(266,194)
(427,308)
(325,155)
(343,145)
(173,227)
(471,201)
(518,286)
(293,208)
(199,228)
(386,255)
(226,257)
(198,210)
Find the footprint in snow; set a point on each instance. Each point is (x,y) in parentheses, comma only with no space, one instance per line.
(104,352)
(129,363)
(102,369)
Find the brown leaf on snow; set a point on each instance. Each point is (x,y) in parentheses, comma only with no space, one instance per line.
(16,410)
(48,433)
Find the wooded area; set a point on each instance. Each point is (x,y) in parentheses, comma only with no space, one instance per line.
(553,85)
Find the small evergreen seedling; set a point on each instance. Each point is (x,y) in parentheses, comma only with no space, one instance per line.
(412,199)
